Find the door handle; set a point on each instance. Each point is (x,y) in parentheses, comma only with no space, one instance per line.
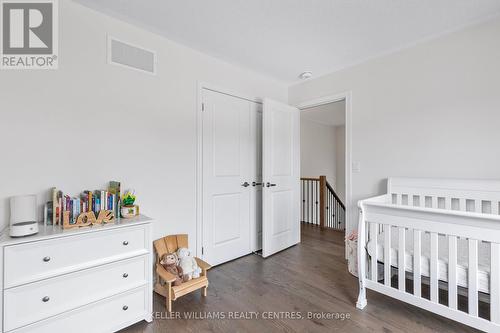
(256,184)
(268,184)
(245,184)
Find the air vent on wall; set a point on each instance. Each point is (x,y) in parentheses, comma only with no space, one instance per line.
(130,56)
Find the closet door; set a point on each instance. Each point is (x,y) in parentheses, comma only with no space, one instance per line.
(228,158)
(281,174)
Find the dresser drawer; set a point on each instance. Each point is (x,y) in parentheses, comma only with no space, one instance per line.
(38,260)
(108,315)
(39,300)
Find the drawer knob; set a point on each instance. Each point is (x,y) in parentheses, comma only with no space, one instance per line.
(46,299)
(125,275)
(125,243)
(46,259)
(125,308)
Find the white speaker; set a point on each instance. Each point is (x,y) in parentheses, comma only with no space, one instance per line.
(23,221)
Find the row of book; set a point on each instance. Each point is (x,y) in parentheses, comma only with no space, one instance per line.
(87,201)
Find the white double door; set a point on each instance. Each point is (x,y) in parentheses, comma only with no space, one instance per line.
(234,159)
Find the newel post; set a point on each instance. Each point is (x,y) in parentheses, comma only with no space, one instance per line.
(322,201)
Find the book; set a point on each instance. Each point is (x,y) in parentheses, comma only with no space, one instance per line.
(54,205)
(110,201)
(57,214)
(49,206)
(66,202)
(103,200)
(70,210)
(97,206)
(45,213)
(76,209)
(114,188)
(97,200)
(88,200)
(59,206)
(83,202)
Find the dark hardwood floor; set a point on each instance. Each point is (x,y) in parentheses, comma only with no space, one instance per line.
(309,277)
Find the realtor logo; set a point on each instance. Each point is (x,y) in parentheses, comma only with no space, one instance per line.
(29,34)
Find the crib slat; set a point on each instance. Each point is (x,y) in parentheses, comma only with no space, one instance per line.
(434,202)
(447,203)
(399,199)
(494,207)
(434,268)
(417,263)
(472,286)
(421,200)
(373,239)
(387,255)
(462,202)
(452,272)
(401,260)
(495,283)
(477,206)
(483,206)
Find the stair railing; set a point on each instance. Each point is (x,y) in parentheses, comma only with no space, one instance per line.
(320,204)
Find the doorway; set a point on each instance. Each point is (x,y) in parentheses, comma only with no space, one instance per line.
(326,162)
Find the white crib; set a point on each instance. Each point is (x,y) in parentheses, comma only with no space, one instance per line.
(449,232)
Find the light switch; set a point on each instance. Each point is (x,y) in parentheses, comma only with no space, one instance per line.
(356,167)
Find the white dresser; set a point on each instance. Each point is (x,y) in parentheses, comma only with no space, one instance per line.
(96,279)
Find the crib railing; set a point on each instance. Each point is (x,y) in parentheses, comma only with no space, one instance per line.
(462,195)
(379,217)
(416,274)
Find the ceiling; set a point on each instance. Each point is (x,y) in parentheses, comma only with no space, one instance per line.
(282,38)
(332,114)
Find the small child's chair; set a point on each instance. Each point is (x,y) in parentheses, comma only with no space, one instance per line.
(164,279)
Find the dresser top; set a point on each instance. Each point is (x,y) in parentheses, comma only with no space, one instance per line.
(54,231)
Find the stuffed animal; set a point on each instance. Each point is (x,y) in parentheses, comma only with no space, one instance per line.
(188,264)
(170,262)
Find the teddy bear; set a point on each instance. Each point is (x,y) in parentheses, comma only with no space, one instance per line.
(170,262)
(190,268)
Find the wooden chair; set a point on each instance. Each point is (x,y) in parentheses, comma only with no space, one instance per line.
(164,279)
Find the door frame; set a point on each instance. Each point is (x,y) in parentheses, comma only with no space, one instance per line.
(199,152)
(347,96)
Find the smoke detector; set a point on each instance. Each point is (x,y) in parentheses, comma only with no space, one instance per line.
(305,75)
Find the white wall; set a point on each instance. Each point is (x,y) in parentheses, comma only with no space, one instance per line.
(340,161)
(88,122)
(317,150)
(428,111)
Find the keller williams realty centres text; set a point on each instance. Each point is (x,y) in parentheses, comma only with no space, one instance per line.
(251,315)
